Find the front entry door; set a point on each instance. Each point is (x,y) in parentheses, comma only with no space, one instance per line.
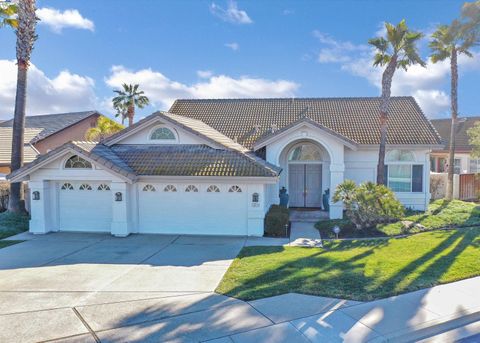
(305,185)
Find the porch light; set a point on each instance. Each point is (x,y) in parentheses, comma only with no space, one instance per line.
(118,196)
(36,195)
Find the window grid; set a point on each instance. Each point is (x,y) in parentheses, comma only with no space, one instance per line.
(85,187)
(191,188)
(235,189)
(67,187)
(213,189)
(170,188)
(103,187)
(149,188)
(162,133)
(76,162)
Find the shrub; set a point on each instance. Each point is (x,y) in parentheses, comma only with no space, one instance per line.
(276,220)
(368,204)
(4,191)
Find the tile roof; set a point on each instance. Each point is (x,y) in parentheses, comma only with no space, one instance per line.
(51,123)
(191,160)
(30,153)
(443,127)
(248,120)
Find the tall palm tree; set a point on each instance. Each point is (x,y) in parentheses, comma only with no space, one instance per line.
(397,50)
(105,128)
(129,98)
(449,41)
(7,15)
(25,39)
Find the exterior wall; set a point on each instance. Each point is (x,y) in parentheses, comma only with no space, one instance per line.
(143,136)
(75,132)
(361,166)
(463,157)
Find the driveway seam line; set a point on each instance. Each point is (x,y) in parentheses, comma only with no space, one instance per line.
(300,332)
(84,322)
(246,302)
(73,252)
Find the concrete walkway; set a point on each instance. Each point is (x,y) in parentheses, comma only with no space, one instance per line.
(153,288)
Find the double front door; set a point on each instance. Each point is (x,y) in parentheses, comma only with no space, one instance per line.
(305,184)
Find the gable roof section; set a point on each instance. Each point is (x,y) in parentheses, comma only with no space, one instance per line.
(269,136)
(51,123)
(462,144)
(29,152)
(248,120)
(98,153)
(190,125)
(191,160)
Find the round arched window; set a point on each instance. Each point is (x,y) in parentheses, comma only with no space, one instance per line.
(305,152)
(400,156)
(162,133)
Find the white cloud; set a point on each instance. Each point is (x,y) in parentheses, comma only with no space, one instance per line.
(427,85)
(63,93)
(58,20)
(204,74)
(231,14)
(234,46)
(162,91)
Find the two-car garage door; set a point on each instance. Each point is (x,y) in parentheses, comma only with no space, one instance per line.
(84,206)
(193,209)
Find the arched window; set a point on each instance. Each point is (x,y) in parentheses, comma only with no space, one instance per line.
(305,152)
(170,188)
(191,188)
(149,188)
(162,133)
(103,187)
(85,187)
(76,162)
(67,187)
(235,189)
(213,189)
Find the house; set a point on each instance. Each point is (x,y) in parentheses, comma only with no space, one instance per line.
(43,133)
(216,166)
(464,163)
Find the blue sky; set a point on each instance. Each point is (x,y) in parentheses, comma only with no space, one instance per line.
(214,49)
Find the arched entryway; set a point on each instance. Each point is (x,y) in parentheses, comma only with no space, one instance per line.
(305,175)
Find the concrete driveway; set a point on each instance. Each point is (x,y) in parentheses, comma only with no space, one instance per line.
(67,284)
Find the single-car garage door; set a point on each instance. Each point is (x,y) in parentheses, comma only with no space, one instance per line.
(204,209)
(84,206)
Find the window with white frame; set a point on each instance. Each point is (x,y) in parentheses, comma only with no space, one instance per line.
(191,188)
(85,187)
(402,174)
(170,188)
(149,188)
(76,162)
(213,189)
(103,187)
(457,166)
(67,187)
(235,189)
(162,133)
(474,166)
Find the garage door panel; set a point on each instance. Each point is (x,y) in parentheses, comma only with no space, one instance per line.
(200,212)
(84,210)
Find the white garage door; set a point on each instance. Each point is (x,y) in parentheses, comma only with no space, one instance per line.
(193,209)
(85,206)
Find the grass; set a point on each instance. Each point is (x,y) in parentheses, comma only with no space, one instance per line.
(440,214)
(12,224)
(359,270)
(4,244)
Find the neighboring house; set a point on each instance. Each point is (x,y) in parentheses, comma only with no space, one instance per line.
(216,166)
(464,163)
(43,133)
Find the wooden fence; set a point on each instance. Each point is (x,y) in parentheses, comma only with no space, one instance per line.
(469,186)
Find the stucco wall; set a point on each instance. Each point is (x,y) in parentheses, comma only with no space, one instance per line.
(75,132)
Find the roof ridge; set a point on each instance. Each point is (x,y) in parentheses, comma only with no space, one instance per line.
(288,98)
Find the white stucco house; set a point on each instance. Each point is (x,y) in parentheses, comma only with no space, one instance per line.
(216,166)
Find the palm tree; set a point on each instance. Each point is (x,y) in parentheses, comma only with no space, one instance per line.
(471,17)
(449,41)
(105,128)
(398,50)
(25,39)
(7,15)
(129,98)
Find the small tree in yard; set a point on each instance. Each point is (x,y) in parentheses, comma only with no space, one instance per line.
(474,139)
(368,204)
(397,50)
(105,128)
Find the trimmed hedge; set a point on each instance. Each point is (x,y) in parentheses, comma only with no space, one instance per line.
(276,221)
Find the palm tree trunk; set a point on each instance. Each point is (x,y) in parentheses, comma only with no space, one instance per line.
(454,108)
(384,106)
(15,202)
(131,114)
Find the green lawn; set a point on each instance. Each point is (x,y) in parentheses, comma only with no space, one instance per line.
(359,270)
(440,214)
(11,224)
(4,244)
